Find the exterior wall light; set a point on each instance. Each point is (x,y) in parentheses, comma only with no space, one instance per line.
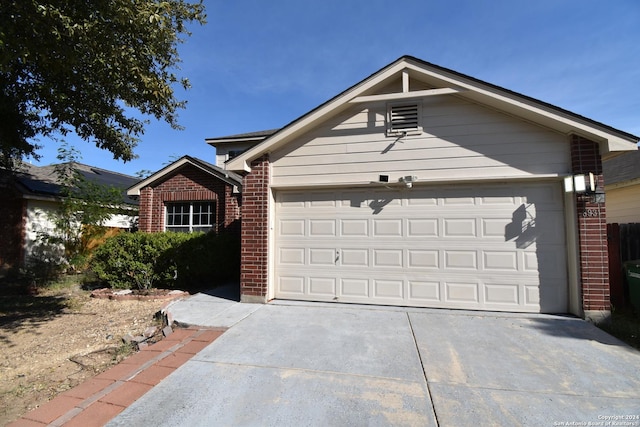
(580,184)
(408,180)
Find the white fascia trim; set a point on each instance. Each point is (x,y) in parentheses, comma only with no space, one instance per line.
(608,142)
(135,190)
(613,142)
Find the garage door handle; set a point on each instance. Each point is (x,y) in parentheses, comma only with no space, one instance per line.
(337,256)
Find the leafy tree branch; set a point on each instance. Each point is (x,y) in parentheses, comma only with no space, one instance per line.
(86,66)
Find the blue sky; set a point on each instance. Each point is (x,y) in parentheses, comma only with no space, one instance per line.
(261,64)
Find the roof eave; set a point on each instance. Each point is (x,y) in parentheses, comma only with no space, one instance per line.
(158,176)
(242,162)
(610,139)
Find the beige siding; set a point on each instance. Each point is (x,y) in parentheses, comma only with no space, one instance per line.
(623,205)
(460,140)
(222,152)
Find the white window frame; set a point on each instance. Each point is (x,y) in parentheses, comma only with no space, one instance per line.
(190,227)
(394,115)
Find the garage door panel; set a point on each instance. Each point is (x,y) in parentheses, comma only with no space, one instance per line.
(293,285)
(422,227)
(493,247)
(460,260)
(494,198)
(291,256)
(495,293)
(459,227)
(387,228)
(532,295)
(385,258)
(458,198)
(323,199)
(322,228)
(292,227)
(354,227)
(354,258)
(322,257)
(461,292)
(388,289)
(425,200)
(322,286)
(500,260)
(426,291)
(550,260)
(354,288)
(423,259)
(291,200)
(494,227)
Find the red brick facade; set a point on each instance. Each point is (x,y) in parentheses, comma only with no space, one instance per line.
(592,228)
(189,183)
(255,228)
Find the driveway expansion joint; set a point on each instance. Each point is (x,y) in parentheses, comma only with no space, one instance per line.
(424,372)
(314,371)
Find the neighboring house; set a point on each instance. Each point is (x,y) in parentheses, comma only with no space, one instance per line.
(228,147)
(622,188)
(421,186)
(189,195)
(29,197)
(622,191)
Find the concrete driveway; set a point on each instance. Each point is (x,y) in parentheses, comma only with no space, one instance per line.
(335,364)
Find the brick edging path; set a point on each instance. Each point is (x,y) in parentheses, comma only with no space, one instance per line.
(99,399)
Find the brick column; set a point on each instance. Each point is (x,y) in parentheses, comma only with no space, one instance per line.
(231,211)
(592,233)
(145,211)
(254,233)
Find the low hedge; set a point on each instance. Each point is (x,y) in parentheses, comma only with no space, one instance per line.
(167,260)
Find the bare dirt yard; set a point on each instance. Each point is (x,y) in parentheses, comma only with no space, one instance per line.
(53,341)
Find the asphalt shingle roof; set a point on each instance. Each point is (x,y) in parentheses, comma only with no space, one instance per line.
(624,167)
(43,180)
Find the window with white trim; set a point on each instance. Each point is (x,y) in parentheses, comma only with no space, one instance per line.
(403,119)
(187,217)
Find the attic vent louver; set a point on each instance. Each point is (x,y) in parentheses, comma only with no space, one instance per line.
(403,119)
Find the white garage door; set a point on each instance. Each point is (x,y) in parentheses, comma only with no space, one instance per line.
(492,247)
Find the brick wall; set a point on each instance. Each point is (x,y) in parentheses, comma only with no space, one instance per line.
(254,234)
(12,229)
(189,183)
(592,228)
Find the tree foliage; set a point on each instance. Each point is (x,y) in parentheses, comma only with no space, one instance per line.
(86,66)
(79,220)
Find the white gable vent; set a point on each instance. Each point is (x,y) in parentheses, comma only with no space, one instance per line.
(403,119)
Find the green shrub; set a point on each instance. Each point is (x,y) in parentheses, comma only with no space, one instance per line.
(167,260)
(205,259)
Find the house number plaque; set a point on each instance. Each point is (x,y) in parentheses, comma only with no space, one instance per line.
(591,213)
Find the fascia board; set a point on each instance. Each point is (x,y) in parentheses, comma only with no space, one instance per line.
(135,190)
(521,106)
(496,97)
